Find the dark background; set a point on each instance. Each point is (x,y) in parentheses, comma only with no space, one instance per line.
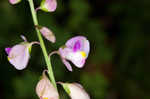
(118,63)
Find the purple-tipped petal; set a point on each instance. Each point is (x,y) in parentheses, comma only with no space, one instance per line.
(48,5)
(19,56)
(14,1)
(8,49)
(48,34)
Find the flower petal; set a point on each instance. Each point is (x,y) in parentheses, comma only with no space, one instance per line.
(76,50)
(14,1)
(8,49)
(77,46)
(86,47)
(67,64)
(48,5)
(45,89)
(51,5)
(76,58)
(19,56)
(79,43)
(64,51)
(75,91)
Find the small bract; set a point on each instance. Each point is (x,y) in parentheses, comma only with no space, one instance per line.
(75,50)
(48,5)
(45,89)
(19,54)
(14,1)
(75,91)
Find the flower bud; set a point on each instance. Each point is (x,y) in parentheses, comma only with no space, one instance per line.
(14,1)
(19,54)
(45,89)
(48,5)
(47,33)
(75,91)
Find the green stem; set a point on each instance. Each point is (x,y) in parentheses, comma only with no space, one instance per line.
(47,59)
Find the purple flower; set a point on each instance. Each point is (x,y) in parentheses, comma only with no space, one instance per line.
(45,89)
(75,90)
(14,1)
(75,50)
(48,5)
(47,33)
(19,54)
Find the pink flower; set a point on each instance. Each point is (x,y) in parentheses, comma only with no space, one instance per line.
(19,54)
(75,50)
(14,1)
(75,90)
(45,89)
(48,5)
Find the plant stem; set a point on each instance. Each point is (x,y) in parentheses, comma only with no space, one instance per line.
(47,59)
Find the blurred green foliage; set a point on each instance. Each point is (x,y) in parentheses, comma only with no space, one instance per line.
(118,64)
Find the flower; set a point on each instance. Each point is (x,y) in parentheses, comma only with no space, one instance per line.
(75,90)
(47,33)
(19,54)
(75,50)
(48,5)
(45,89)
(14,1)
